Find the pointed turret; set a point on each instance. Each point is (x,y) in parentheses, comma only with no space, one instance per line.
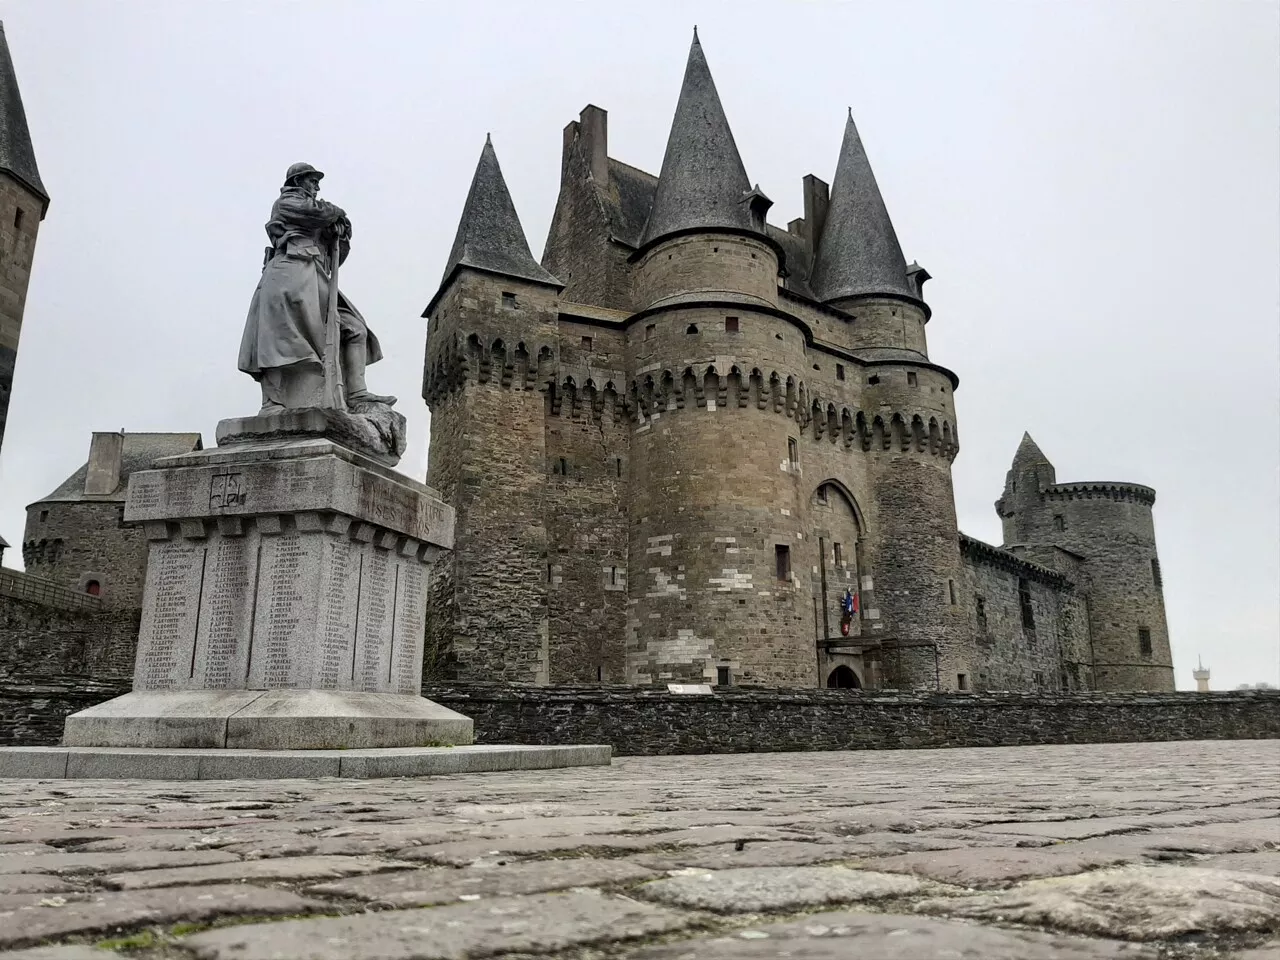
(1029,454)
(490,237)
(703,184)
(17,157)
(858,253)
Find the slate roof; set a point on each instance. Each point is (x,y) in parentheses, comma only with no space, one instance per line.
(140,452)
(489,234)
(1028,452)
(796,256)
(628,201)
(703,182)
(17,156)
(859,251)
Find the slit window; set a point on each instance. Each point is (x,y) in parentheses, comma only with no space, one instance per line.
(730,324)
(1024,603)
(564,467)
(912,379)
(17,218)
(1156,578)
(839,554)
(617,465)
(1038,679)
(613,576)
(951,591)
(962,681)
(839,371)
(782,561)
(793,451)
(980,606)
(1144,641)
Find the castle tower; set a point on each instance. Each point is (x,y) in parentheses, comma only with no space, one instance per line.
(716,502)
(911,542)
(491,337)
(1201,674)
(1107,529)
(23,202)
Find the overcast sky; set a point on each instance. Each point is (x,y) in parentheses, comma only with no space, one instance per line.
(1092,185)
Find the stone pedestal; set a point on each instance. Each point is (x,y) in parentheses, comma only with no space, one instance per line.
(284,604)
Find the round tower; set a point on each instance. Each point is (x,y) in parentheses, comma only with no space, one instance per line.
(713,533)
(912,545)
(1111,526)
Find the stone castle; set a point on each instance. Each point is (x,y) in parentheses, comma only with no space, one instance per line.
(691,446)
(688,446)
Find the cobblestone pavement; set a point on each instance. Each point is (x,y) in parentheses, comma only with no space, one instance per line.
(1128,850)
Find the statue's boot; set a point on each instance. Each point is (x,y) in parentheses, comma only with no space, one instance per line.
(354,354)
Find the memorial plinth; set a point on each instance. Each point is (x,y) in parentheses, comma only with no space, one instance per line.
(284,604)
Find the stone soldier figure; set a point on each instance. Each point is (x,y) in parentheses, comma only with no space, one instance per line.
(284,334)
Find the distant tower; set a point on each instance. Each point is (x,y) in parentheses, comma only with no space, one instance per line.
(1108,531)
(1201,673)
(23,202)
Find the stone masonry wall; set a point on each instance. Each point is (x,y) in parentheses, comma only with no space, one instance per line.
(71,543)
(19,224)
(654,721)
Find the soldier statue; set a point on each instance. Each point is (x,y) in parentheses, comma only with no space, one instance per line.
(284,341)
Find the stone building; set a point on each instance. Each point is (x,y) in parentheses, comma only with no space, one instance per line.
(76,537)
(690,445)
(23,202)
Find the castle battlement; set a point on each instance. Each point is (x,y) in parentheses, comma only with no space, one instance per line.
(1120,492)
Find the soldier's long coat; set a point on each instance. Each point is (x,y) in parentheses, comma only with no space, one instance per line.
(286,321)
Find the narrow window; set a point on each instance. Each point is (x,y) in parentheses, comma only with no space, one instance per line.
(1156,578)
(649,330)
(613,576)
(723,677)
(951,591)
(1144,641)
(44,515)
(17,218)
(962,681)
(564,467)
(873,380)
(730,324)
(548,573)
(508,299)
(1059,522)
(782,559)
(822,495)
(691,328)
(839,554)
(911,379)
(839,371)
(599,674)
(980,606)
(586,343)
(93,588)
(1024,602)
(617,465)
(1038,679)
(793,451)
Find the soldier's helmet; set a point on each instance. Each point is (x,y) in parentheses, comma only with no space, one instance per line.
(299,170)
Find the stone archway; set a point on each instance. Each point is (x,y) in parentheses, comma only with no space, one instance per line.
(843,676)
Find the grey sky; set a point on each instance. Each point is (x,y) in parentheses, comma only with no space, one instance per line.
(1092,185)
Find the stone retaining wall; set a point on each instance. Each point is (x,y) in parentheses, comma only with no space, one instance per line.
(654,721)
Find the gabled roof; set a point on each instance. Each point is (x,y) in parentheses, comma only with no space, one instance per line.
(489,236)
(703,183)
(140,451)
(858,253)
(17,156)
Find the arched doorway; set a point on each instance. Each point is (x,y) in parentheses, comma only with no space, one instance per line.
(93,588)
(843,676)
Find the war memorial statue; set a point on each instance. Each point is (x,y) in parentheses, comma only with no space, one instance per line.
(304,342)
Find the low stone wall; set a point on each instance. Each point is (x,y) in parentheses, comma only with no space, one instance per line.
(654,721)
(31,713)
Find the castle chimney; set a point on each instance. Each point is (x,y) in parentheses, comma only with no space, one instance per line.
(817,197)
(105,452)
(594,130)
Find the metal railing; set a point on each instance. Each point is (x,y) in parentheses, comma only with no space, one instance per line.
(23,586)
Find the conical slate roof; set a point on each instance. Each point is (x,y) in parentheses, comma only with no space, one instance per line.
(17,156)
(703,183)
(858,252)
(489,235)
(1028,453)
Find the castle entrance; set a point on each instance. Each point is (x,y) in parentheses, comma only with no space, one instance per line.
(843,676)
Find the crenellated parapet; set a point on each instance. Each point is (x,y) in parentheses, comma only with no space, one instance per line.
(1120,492)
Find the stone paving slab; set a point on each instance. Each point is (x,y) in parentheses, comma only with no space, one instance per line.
(76,952)
(535,924)
(521,863)
(426,887)
(29,920)
(848,936)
